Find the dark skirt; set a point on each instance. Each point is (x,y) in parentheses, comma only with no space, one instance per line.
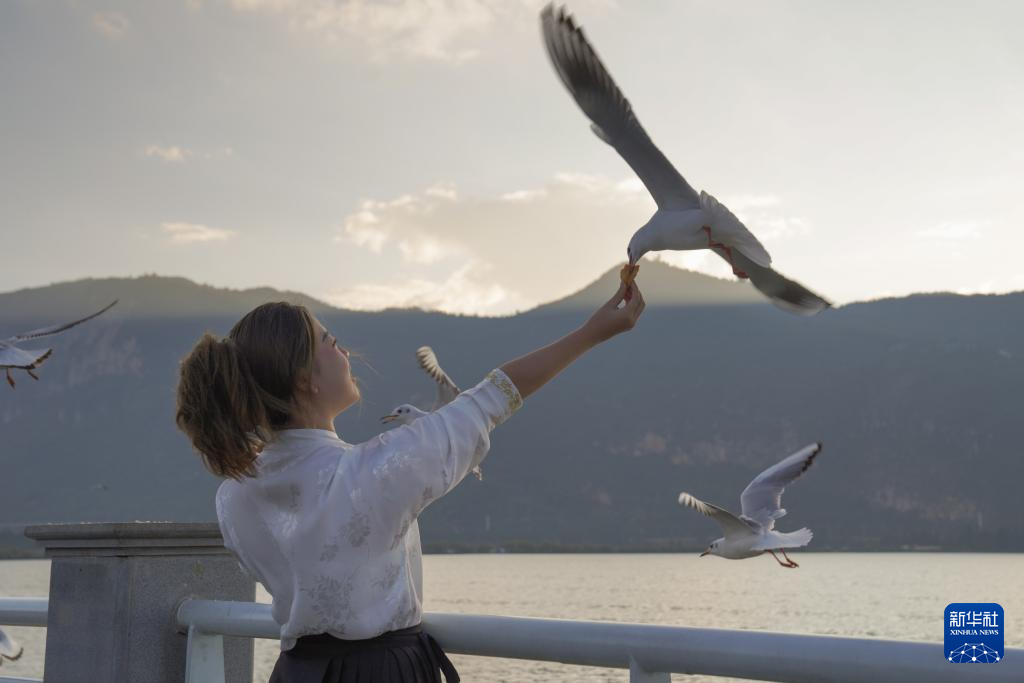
(406,656)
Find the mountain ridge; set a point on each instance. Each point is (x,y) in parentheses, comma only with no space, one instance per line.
(165,295)
(915,399)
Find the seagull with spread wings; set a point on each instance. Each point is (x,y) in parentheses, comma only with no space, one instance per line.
(12,357)
(684,220)
(752,533)
(447,390)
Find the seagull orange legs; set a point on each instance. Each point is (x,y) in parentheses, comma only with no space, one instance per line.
(728,254)
(10,380)
(788,564)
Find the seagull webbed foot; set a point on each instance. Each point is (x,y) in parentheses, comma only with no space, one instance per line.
(788,564)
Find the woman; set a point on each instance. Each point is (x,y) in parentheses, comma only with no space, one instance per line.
(329,528)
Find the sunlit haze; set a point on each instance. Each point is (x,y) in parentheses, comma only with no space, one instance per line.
(405,153)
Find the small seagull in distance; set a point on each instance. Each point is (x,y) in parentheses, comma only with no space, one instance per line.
(14,358)
(447,390)
(753,532)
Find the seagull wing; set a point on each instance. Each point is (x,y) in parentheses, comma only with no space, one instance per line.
(9,647)
(762,499)
(730,230)
(787,294)
(447,390)
(13,357)
(590,84)
(730,523)
(55,329)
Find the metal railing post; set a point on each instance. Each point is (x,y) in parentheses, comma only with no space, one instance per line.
(637,674)
(204,659)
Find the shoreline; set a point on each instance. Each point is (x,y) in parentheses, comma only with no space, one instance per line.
(541,549)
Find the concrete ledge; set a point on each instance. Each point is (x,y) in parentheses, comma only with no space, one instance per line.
(128,539)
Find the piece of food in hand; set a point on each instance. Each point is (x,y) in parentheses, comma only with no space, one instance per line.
(628,273)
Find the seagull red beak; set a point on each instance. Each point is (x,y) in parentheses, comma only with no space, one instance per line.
(389,418)
(705,553)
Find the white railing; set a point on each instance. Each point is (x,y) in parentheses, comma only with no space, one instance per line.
(651,653)
(23,612)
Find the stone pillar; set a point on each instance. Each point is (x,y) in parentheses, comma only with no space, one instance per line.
(114,590)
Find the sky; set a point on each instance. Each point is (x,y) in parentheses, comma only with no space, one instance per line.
(423,152)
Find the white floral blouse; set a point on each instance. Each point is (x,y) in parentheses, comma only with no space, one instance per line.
(330,528)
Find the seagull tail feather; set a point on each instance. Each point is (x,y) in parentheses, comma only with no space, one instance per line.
(793,539)
(796,539)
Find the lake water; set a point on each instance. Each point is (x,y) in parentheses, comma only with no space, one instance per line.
(895,596)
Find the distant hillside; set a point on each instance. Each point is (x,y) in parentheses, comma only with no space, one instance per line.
(917,401)
(157,296)
(981,320)
(663,285)
(142,297)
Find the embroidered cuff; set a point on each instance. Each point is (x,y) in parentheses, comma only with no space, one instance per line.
(513,401)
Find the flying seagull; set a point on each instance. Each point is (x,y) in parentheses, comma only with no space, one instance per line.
(13,357)
(753,532)
(447,390)
(684,220)
(10,649)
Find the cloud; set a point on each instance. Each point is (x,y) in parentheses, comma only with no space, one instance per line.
(986,287)
(424,250)
(780,227)
(442,191)
(380,222)
(952,231)
(176,155)
(466,254)
(522,195)
(518,248)
(450,31)
(701,261)
(113,25)
(189,233)
(466,291)
(361,229)
(762,214)
(753,201)
(172,154)
(220,153)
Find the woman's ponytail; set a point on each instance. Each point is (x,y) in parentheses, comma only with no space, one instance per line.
(224,406)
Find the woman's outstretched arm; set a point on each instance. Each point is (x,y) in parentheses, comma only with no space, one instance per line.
(532,371)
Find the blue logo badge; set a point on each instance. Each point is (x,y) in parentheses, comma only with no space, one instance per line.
(974,633)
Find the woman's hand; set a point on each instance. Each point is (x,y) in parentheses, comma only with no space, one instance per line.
(610,319)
